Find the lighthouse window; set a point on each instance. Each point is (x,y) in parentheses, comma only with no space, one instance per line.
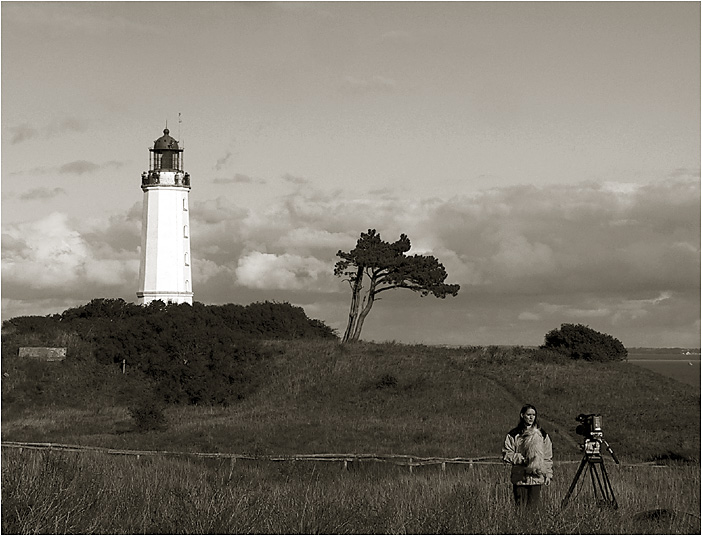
(187,260)
(185,231)
(167,160)
(185,204)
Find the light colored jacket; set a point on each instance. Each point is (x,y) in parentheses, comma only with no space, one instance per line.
(513,453)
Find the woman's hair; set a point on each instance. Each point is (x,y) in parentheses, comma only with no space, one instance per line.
(521,426)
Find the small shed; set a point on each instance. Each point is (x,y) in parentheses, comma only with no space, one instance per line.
(43,353)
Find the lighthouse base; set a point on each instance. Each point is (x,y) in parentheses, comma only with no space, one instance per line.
(146,297)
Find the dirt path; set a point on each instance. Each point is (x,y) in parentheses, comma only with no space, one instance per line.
(559,431)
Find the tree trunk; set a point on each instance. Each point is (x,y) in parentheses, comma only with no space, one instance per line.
(357,286)
(361,317)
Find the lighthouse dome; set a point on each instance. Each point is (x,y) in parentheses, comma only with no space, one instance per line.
(166,142)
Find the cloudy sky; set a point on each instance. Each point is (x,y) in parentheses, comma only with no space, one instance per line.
(547,153)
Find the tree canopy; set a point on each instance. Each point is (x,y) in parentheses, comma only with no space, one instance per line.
(581,342)
(386,266)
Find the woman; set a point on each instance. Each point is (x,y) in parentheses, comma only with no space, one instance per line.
(528,448)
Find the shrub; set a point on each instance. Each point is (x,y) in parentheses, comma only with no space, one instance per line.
(148,414)
(386,381)
(581,342)
(189,354)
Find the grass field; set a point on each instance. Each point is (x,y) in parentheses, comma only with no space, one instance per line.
(321,397)
(69,493)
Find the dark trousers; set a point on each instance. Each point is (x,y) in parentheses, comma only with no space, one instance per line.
(527,496)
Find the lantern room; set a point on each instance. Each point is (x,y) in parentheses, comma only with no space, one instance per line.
(165,154)
(165,164)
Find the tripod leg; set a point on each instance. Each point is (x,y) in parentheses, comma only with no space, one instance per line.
(565,500)
(595,479)
(600,480)
(597,483)
(608,487)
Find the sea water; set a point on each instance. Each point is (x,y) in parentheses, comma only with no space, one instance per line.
(680,367)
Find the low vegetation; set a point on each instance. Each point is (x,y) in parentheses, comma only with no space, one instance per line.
(315,395)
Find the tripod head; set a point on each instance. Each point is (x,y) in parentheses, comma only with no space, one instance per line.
(591,447)
(590,428)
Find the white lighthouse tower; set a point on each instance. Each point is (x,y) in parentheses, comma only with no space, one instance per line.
(165,273)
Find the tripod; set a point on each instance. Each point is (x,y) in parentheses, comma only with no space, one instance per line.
(593,463)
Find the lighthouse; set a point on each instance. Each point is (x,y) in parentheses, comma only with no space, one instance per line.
(164,273)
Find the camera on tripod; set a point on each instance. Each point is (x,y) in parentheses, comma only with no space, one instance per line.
(590,425)
(590,428)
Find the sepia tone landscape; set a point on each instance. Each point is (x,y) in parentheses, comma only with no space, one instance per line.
(295,267)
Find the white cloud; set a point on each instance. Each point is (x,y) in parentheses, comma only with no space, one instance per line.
(53,257)
(205,269)
(536,256)
(285,272)
(50,252)
(528,316)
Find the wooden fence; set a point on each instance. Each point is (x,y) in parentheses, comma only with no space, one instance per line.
(409,461)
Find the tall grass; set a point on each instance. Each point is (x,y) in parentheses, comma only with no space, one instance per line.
(70,493)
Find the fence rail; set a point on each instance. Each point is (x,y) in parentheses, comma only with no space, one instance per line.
(407,460)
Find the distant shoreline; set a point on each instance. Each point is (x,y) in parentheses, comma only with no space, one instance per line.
(664,360)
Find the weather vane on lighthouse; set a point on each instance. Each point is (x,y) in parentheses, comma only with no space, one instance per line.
(164,273)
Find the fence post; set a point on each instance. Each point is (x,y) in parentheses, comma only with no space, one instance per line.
(410,465)
(443,467)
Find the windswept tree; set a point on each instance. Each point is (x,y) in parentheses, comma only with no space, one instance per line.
(375,266)
(582,342)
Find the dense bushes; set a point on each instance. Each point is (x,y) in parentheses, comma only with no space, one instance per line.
(581,342)
(148,415)
(181,353)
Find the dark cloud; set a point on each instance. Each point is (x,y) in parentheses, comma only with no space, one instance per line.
(78,167)
(295,180)
(222,161)
(238,179)
(67,124)
(42,193)
(26,131)
(119,238)
(22,133)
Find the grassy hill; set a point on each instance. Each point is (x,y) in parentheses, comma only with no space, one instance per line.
(319,396)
